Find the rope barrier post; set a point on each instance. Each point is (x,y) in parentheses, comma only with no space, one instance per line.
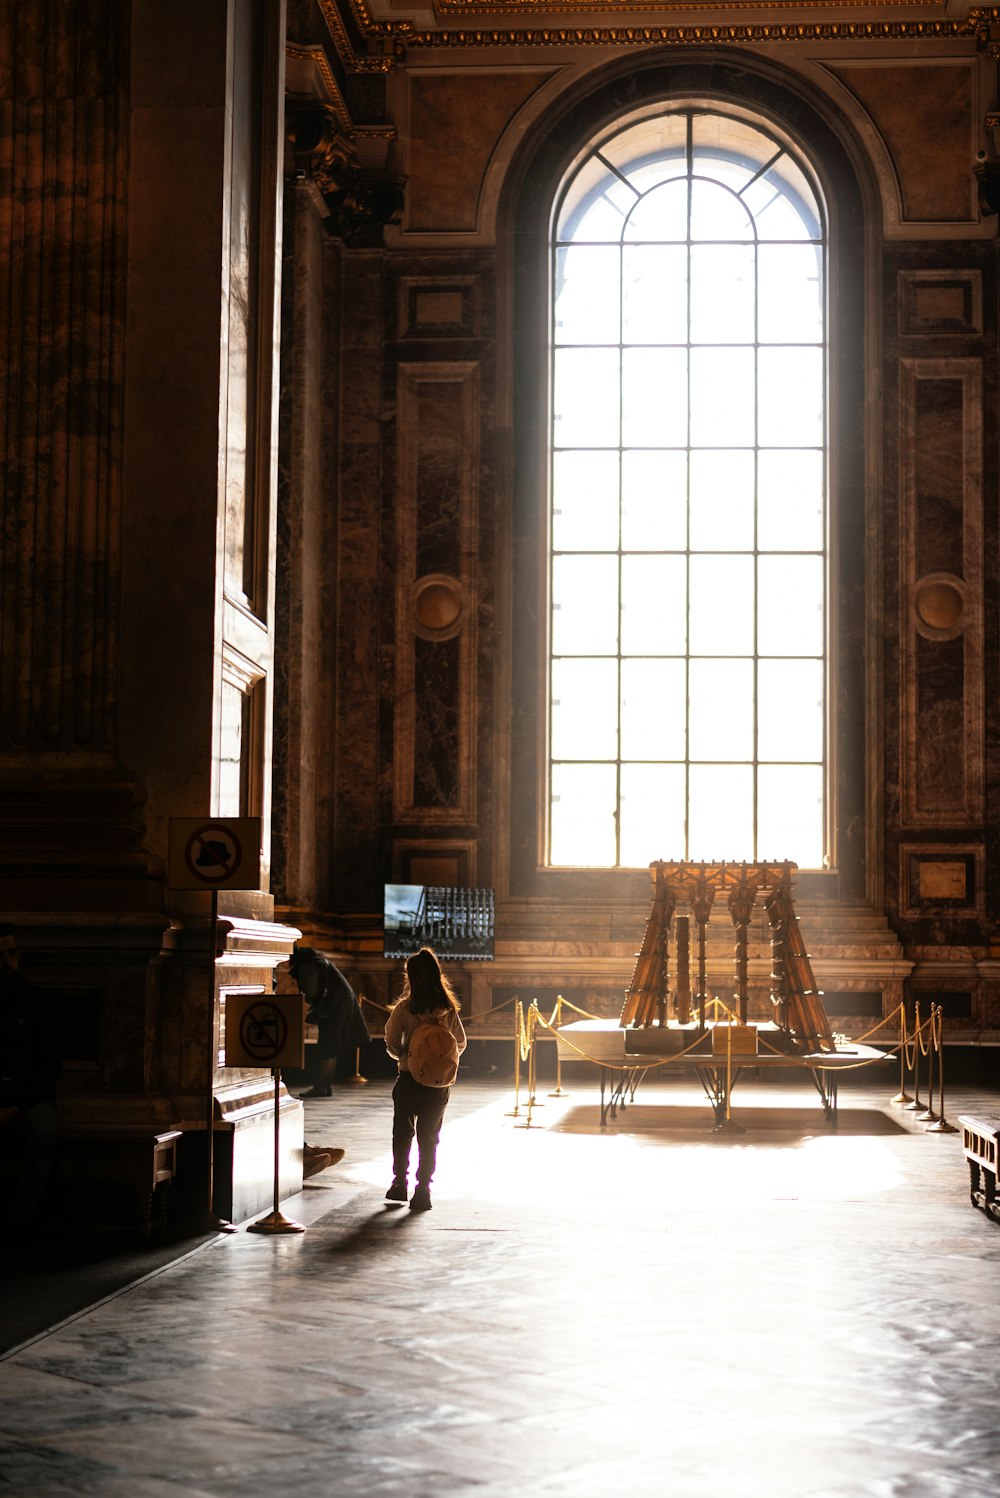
(276,1221)
(357,1068)
(928,1115)
(915,1105)
(902,1096)
(517,1060)
(557,1017)
(529,1048)
(941,1126)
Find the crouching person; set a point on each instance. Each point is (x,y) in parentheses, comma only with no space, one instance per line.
(425,1035)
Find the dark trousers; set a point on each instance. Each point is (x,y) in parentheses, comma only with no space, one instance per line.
(416,1109)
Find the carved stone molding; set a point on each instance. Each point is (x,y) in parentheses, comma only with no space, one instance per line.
(323,150)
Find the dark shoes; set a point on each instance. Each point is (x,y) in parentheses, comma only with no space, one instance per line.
(396,1192)
(315,1158)
(326,1091)
(421,1199)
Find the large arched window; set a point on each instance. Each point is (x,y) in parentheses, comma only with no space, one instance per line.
(687,539)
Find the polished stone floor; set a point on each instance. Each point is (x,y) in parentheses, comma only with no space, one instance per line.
(784,1313)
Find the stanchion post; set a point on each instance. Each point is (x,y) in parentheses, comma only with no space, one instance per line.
(530,1046)
(558,1019)
(902,1096)
(942,1126)
(276,1221)
(517,1060)
(928,1114)
(357,1068)
(915,1105)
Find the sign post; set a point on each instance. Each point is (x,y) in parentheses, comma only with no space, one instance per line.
(213,854)
(268,1030)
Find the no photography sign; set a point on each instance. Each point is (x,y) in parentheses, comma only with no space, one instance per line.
(265,1030)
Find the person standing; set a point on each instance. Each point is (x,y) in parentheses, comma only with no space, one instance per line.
(426,1007)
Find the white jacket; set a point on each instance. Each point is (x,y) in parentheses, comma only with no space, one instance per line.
(401,1024)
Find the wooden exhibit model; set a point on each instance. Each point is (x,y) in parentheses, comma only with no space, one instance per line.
(798,1016)
(663,1024)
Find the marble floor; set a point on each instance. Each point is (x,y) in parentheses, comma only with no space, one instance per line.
(785,1313)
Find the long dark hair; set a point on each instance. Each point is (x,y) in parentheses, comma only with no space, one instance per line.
(425,985)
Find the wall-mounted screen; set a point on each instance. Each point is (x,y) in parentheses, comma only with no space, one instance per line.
(456,922)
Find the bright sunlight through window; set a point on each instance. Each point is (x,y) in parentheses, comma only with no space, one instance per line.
(688,488)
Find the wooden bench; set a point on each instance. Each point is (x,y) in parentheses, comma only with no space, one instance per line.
(980,1139)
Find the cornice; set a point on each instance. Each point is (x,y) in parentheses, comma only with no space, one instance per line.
(708,35)
(370,30)
(397,37)
(335,99)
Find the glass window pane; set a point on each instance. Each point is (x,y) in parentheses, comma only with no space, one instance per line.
(721,709)
(585,398)
(654,709)
(654,397)
(660,215)
(660,135)
(585,501)
(790,814)
(587,299)
(722,293)
(594,205)
(583,815)
(790,288)
(654,605)
(654,293)
(584,709)
(790,710)
(720,818)
(722,511)
(652,815)
(584,605)
(717,213)
(723,397)
(790,606)
(790,397)
(790,501)
(722,605)
(654,501)
(777,216)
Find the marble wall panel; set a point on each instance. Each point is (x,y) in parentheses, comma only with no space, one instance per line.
(437,472)
(932,146)
(941,562)
(454,125)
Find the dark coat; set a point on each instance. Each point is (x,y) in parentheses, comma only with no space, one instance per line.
(333,1005)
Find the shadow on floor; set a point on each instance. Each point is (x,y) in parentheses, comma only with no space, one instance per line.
(695,1122)
(50,1275)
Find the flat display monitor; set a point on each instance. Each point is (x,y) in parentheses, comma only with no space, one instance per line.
(457,922)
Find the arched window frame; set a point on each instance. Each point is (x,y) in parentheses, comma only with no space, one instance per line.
(640,749)
(546,157)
